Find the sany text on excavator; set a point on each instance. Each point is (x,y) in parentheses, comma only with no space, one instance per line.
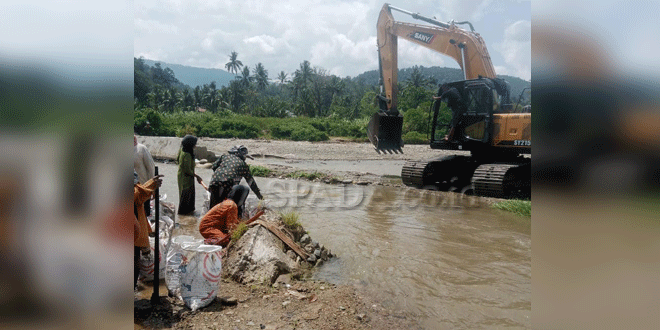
(482,120)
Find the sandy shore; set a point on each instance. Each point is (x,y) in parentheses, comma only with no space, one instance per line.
(167,148)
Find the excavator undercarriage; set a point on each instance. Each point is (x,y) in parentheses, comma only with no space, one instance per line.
(469,175)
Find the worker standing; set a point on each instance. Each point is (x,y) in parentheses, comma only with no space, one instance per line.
(186,175)
(142,193)
(227,173)
(144,165)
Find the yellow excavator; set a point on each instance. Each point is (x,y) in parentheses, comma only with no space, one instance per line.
(483,118)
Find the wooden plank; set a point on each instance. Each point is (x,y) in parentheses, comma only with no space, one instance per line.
(295,247)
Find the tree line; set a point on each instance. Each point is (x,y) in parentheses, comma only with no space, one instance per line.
(309,92)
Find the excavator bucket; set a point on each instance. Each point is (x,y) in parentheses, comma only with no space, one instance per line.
(384,132)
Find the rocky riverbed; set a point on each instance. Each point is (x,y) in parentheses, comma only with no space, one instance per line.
(335,161)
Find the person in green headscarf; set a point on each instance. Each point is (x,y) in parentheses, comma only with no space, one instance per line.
(186,175)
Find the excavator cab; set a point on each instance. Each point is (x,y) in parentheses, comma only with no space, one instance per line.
(473,128)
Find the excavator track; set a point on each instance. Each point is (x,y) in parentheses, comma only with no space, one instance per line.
(414,172)
(445,173)
(500,180)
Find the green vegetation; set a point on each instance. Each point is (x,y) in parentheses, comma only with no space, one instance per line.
(519,207)
(311,176)
(291,220)
(415,138)
(238,232)
(306,105)
(261,171)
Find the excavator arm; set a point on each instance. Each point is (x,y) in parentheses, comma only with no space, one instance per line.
(466,47)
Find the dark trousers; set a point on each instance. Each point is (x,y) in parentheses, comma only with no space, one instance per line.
(187,201)
(136,266)
(147,208)
(237,193)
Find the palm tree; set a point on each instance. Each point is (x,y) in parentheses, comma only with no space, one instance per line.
(260,76)
(282,77)
(246,79)
(416,78)
(301,77)
(234,65)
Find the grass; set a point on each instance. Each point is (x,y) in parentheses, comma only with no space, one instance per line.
(261,171)
(238,232)
(305,175)
(291,219)
(519,207)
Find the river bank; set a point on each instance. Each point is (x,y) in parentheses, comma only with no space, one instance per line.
(339,161)
(402,252)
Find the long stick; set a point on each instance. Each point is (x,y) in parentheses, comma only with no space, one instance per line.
(155,299)
(203,185)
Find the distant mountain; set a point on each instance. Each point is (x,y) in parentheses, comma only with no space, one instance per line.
(193,76)
(441,75)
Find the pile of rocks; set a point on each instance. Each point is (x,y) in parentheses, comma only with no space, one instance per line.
(260,256)
(317,252)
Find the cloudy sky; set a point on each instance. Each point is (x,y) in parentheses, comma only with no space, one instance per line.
(336,35)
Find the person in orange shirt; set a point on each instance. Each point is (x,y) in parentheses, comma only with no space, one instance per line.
(223,217)
(142,193)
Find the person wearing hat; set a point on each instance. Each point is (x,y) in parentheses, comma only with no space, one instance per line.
(227,173)
(186,175)
(144,165)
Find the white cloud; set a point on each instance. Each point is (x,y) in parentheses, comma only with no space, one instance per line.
(338,36)
(411,54)
(268,45)
(342,56)
(516,48)
(151,26)
(156,55)
(462,10)
(500,69)
(207,44)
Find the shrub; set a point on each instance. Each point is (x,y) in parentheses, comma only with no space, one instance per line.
(238,232)
(229,128)
(257,170)
(183,131)
(291,220)
(415,138)
(308,134)
(519,207)
(305,175)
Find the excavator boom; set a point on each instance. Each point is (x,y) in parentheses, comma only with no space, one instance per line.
(466,47)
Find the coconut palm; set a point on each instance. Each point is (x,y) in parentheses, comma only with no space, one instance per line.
(260,76)
(246,79)
(234,65)
(282,77)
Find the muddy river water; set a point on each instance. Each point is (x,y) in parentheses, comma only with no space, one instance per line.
(449,259)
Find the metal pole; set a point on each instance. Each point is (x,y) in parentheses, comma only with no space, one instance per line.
(155,298)
(462,47)
(421,18)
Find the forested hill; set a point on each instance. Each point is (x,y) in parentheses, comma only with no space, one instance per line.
(441,75)
(193,76)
